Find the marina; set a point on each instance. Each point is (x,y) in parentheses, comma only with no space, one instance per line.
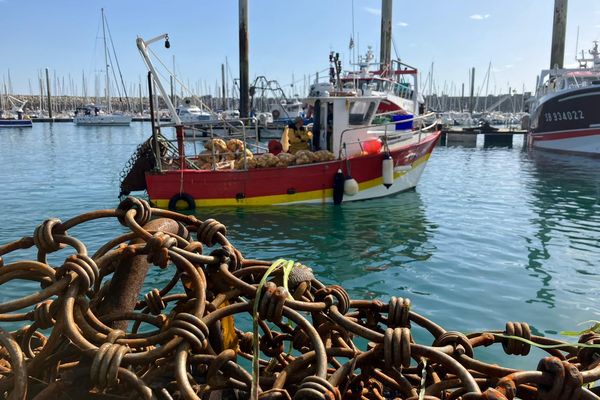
(364,232)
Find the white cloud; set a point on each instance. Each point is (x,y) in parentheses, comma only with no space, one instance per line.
(502,69)
(479,17)
(371,10)
(596,26)
(412,45)
(402,24)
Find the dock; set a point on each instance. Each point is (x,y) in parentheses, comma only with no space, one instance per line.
(134,119)
(502,137)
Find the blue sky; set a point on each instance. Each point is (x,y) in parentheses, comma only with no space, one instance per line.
(289,38)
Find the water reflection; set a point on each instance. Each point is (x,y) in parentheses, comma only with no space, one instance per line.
(565,198)
(364,244)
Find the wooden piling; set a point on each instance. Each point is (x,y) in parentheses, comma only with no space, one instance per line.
(559,30)
(244,59)
(223,87)
(49,96)
(386,34)
(472,97)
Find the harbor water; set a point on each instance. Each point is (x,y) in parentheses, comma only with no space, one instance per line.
(490,234)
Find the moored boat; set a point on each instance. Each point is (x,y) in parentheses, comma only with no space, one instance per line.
(94,115)
(351,158)
(17,118)
(565,115)
(15,123)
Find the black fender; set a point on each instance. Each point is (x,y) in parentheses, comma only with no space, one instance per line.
(191,204)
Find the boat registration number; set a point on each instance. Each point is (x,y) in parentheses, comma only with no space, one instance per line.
(564,116)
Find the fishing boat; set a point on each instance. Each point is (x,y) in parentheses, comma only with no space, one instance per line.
(353,158)
(564,112)
(16,117)
(94,115)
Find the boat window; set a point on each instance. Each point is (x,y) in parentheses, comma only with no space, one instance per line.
(360,112)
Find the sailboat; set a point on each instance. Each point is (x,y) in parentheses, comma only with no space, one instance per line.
(94,115)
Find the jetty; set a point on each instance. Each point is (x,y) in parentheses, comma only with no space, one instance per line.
(502,137)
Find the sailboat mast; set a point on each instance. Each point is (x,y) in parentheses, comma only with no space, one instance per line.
(106,61)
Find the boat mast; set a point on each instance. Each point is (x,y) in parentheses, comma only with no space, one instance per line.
(106,61)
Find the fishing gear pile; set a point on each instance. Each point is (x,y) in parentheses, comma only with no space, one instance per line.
(227,327)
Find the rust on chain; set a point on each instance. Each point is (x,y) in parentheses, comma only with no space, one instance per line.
(91,331)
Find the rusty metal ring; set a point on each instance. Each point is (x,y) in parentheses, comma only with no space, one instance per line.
(154,302)
(207,231)
(85,268)
(143,211)
(105,366)
(455,339)
(43,236)
(42,314)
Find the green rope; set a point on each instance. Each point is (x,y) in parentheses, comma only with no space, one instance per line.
(423,378)
(288,266)
(548,346)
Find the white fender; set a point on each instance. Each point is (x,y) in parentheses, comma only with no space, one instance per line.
(350,186)
(387,170)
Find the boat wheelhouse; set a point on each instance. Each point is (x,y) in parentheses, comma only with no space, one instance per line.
(395,84)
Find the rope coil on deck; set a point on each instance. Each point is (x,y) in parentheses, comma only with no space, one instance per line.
(89,330)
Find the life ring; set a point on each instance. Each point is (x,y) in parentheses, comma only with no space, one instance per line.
(276,114)
(182,202)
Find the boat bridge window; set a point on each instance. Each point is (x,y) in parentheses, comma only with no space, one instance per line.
(374,84)
(361,112)
(575,82)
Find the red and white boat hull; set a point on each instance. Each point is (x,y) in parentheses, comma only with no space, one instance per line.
(312,183)
(581,141)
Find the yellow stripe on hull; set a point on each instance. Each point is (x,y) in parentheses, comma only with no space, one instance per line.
(314,196)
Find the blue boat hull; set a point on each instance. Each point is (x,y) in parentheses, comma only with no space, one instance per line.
(15,123)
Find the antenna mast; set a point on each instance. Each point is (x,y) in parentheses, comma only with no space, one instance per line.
(106,61)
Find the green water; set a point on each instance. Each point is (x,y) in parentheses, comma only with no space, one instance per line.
(489,235)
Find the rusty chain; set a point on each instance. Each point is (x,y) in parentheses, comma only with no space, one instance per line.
(89,331)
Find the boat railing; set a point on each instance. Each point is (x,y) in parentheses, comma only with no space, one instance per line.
(388,137)
(210,132)
(236,129)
